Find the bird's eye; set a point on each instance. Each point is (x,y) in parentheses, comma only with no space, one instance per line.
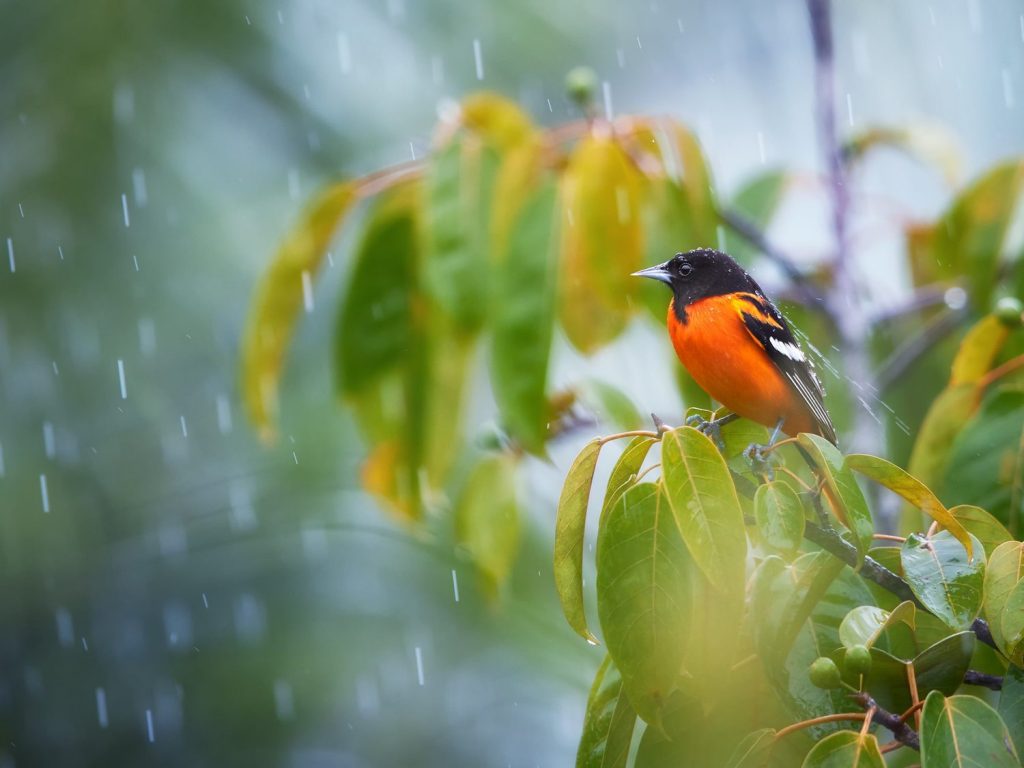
(685,269)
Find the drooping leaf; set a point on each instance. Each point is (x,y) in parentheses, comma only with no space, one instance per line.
(569,529)
(964,731)
(943,578)
(912,490)
(602,242)
(845,749)
(643,597)
(941,666)
(754,751)
(523,318)
(487,518)
(841,488)
(780,516)
(456,270)
(757,201)
(989,531)
(608,723)
(969,236)
(865,624)
(279,297)
(627,466)
(986,464)
(703,499)
(1011,705)
(978,350)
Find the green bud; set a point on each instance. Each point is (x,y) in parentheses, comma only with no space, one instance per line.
(858,660)
(1009,310)
(825,674)
(580,85)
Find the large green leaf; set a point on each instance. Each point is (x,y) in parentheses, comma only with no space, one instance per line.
(911,489)
(280,295)
(569,529)
(1004,572)
(1011,705)
(845,749)
(523,319)
(1012,628)
(602,242)
(842,489)
(487,518)
(643,598)
(986,465)
(941,667)
(944,579)
(626,467)
(964,731)
(706,508)
(456,270)
(780,516)
(969,236)
(608,723)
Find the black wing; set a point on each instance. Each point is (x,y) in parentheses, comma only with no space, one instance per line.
(772,331)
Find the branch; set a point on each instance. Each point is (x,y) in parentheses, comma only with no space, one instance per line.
(992,682)
(904,358)
(802,286)
(899,728)
(874,571)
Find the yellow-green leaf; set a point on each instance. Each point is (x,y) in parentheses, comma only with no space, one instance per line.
(487,518)
(780,516)
(602,242)
(608,723)
(625,469)
(842,489)
(912,490)
(989,531)
(845,749)
(962,732)
(706,508)
(280,295)
(866,623)
(570,525)
(1005,570)
(978,350)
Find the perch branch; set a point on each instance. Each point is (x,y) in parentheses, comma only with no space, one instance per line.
(902,732)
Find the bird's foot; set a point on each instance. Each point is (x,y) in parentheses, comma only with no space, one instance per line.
(758,458)
(712,428)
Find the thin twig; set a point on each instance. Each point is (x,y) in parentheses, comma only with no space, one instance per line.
(888,537)
(904,358)
(839,718)
(630,433)
(915,698)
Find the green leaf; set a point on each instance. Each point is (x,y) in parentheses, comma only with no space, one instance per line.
(569,529)
(1013,624)
(608,723)
(912,490)
(964,731)
(487,518)
(643,597)
(459,183)
(754,750)
(970,234)
(841,487)
(941,667)
(757,201)
(626,467)
(1011,705)
(1004,572)
(602,242)
(943,578)
(706,508)
(989,531)
(279,297)
(978,350)
(523,321)
(780,516)
(611,405)
(845,749)
(865,624)
(986,465)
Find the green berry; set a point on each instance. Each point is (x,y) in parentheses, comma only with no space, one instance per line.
(825,674)
(581,84)
(1009,310)
(858,660)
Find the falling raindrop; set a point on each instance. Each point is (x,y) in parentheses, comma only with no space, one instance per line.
(223,414)
(606,90)
(124,210)
(44,493)
(121,379)
(284,704)
(419,665)
(10,253)
(149,726)
(101,707)
(455,584)
(478,59)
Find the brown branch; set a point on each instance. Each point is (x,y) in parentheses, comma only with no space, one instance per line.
(992,682)
(902,732)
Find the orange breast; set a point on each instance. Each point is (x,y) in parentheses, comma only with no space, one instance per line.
(732,367)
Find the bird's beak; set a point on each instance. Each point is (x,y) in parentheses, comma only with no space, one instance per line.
(657,272)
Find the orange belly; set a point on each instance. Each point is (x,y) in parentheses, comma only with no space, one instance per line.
(731,366)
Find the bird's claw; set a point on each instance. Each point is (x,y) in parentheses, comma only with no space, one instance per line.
(710,427)
(759,461)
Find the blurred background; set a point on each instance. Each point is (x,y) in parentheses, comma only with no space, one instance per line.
(174,592)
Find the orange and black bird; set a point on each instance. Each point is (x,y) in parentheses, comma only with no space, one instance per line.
(737,345)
